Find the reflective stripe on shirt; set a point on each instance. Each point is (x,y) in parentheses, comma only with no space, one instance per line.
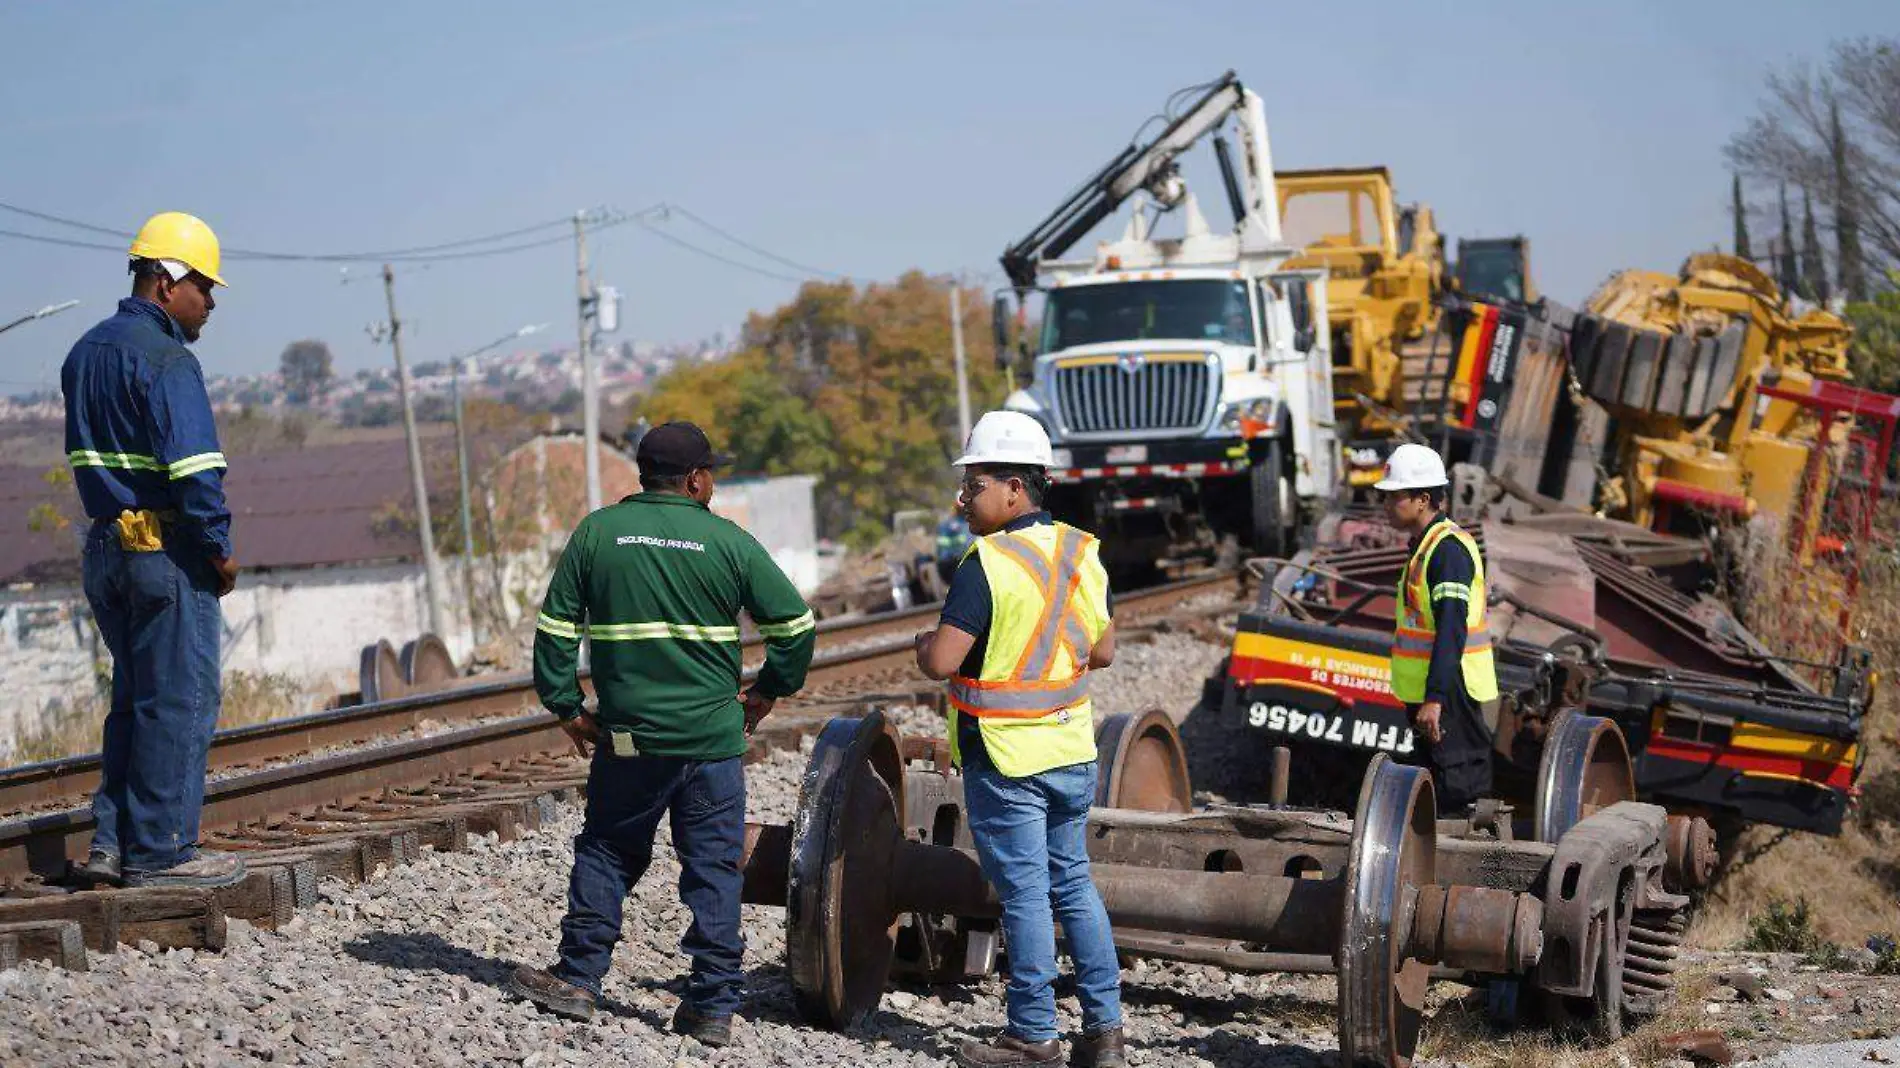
(789,628)
(636,632)
(123,461)
(191,465)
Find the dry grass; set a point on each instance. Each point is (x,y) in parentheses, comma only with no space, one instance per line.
(1852,881)
(1459,1032)
(74,730)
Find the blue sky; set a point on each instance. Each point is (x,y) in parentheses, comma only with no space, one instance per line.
(864,138)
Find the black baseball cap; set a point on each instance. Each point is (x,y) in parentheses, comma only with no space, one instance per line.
(677,448)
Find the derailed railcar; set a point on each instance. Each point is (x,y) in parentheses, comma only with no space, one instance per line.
(1588,614)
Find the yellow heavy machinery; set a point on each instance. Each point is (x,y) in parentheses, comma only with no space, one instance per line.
(1387,280)
(1385,265)
(1703,377)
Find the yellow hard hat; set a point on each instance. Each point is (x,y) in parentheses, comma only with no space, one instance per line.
(173,235)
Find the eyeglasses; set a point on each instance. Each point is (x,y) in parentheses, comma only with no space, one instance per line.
(973,488)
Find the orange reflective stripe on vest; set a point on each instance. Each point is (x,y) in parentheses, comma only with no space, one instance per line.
(1415,630)
(1028,693)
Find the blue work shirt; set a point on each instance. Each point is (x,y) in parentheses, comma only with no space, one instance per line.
(139,432)
(968,606)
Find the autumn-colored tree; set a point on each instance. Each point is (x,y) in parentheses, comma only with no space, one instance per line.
(854,385)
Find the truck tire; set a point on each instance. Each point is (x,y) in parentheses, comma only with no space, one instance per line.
(1275,509)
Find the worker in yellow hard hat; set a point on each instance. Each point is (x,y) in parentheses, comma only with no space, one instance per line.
(150,475)
(179,256)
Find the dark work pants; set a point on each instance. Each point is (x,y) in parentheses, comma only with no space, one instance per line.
(1461,762)
(158,612)
(626,796)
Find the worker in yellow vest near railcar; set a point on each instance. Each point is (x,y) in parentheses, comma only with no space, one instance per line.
(1027,615)
(1442,666)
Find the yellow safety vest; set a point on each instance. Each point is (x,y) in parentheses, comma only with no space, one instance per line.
(1049,597)
(1412,641)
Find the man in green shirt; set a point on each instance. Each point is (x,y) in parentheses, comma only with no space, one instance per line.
(656,582)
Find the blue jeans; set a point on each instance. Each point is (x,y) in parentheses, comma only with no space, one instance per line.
(625,798)
(158,612)
(1031,836)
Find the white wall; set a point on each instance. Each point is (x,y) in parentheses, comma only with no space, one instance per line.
(308,625)
(779,512)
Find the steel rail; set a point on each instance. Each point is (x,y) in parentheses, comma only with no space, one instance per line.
(39,842)
(29,785)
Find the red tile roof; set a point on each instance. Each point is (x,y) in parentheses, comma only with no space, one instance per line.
(320,505)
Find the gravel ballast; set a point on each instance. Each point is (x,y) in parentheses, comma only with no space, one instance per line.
(409,969)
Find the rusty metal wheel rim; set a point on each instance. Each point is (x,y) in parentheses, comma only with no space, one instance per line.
(1585,767)
(426,663)
(1394,851)
(840,928)
(379,674)
(1143,764)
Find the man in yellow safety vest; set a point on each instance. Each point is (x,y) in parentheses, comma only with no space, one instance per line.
(1027,615)
(1442,666)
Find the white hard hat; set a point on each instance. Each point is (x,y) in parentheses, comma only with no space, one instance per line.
(1412,467)
(1005,437)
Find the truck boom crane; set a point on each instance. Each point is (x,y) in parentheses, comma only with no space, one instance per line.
(1185,381)
(1152,168)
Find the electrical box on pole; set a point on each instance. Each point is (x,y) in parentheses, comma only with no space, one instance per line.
(606,309)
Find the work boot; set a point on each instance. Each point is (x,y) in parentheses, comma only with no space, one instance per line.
(100,869)
(1008,1051)
(557,996)
(708,1030)
(1104,1049)
(206,869)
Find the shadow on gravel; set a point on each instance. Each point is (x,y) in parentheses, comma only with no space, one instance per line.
(432,953)
(768,1000)
(1224,1049)
(1228,1008)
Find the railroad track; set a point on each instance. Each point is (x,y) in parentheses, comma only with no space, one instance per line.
(856,660)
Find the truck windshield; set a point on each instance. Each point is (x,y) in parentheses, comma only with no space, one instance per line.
(1183,310)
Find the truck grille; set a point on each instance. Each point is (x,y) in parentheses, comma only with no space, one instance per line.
(1100,398)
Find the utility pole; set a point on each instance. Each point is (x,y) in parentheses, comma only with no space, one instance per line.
(468,533)
(431,565)
(590,375)
(963,377)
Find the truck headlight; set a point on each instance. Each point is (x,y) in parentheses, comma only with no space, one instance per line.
(1259,411)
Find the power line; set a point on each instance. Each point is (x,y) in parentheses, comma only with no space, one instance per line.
(66,242)
(417,252)
(748,246)
(389,256)
(711,255)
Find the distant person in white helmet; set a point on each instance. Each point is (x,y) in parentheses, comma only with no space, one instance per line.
(1026,617)
(1442,668)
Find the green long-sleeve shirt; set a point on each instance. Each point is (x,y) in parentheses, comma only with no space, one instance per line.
(656,581)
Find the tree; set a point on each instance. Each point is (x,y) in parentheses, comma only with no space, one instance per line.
(1813,264)
(1740,211)
(856,386)
(1834,132)
(1846,213)
(308,370)
(1787,273)
(1875,353)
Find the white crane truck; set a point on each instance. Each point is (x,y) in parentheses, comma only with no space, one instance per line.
(1185,382)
